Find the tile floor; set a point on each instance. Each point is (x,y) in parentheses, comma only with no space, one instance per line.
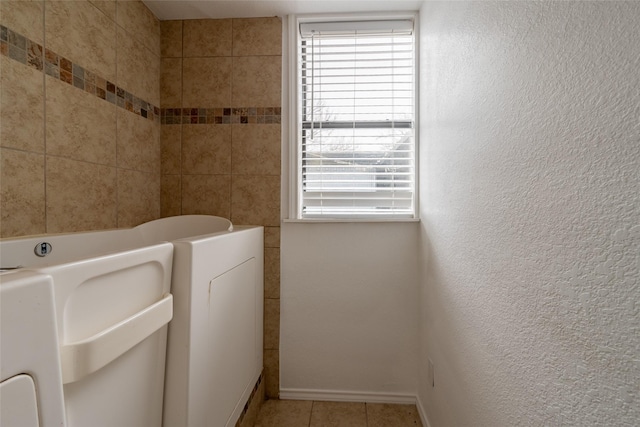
(305,413)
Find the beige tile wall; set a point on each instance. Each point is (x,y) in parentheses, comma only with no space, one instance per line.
(70,159)
(227,165)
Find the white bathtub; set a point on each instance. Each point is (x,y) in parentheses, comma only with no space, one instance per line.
(83,245)
(112,307)
(120,280)
(214,355)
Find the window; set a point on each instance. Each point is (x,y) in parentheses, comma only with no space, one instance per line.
(355,119)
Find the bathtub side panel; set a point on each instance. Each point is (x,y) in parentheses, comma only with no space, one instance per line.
(226,280)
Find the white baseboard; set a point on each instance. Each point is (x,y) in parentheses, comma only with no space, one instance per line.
(353,396)
(346,396)
(423,413)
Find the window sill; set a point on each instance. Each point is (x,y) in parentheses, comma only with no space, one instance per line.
(348,220)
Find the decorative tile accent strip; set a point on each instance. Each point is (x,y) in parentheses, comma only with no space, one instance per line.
(222,115)
(32,54)
(249,401)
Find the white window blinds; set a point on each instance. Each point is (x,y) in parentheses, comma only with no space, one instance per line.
(356,119)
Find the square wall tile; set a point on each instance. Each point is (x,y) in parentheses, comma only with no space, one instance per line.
(137,20)
(138,69)
(206,195)
(206,82)
(21,106)
(255,200)
(271,324)
(272,272)
(170,82)
(272,237)
(24,17)
(108,7)
(79,125)
(257,36)
(272,373)
(139,146)
(206,37)
(171,148)
(257,81)
(256,149)
(171,39)
(22,193)
(83,34)
(170,195)
(206,149)
(138,197)
(80,196)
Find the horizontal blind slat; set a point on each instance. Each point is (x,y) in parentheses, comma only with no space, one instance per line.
(357,146)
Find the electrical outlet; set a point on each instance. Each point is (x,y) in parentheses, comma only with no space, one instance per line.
(430,373)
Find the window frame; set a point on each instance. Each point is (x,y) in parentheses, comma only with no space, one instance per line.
(292,185)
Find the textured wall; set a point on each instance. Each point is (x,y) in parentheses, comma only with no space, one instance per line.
(530,149)
(79,116)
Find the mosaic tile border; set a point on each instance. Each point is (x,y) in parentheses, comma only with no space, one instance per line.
(224,115)
(19,48)
(249,401)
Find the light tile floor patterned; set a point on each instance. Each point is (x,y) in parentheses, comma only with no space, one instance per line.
(303,413)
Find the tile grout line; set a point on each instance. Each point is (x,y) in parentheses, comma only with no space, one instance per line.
(117,32)
(231,162)
(44,115)
(181,103)
(366,414)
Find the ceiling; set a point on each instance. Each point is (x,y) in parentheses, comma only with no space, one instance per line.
(218,9)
